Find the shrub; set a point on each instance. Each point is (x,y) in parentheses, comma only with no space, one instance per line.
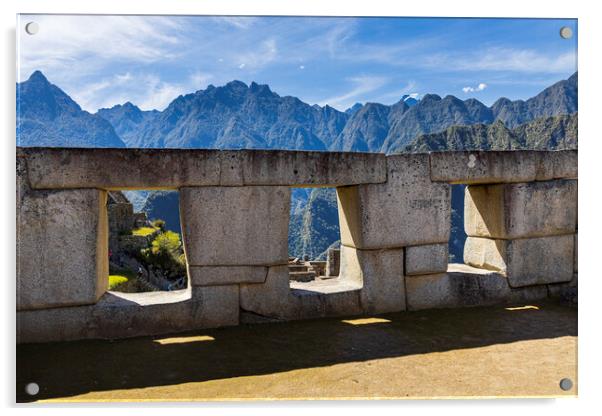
(160,224)
(116,280)
(166,252)
(144,231)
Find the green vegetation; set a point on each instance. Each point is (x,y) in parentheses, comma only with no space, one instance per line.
(123,280)
(314,227)
(116,280)
(144,231)
(160,224)
(546,133)
(166,252)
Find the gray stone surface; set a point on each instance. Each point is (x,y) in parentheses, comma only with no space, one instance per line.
(529,261)
(521,210)
(51,168)
(122,315)
(380,274)
(560,164)
(271,298)
(426,259)
(294,168)
(576,259)
(333,262)
(485,253)
(464,286)
(558,290)
(407,210)
(226,275)
(488,167)
(62,248)
(235,226)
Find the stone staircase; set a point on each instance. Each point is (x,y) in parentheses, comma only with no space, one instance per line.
(305,271)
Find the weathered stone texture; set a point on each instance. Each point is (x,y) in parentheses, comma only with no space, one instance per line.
(271,298)
(426,259)
(560,164)
(465,286)
(62,243)
(294,168)
(558,290)
(380,274)
(529,261)
(575,258)
(407,210)
(488,167)
(121,218)
(521,210)
(132,314)
(235,226)
(485,253)
(226,275)
(51,168)
(333,262)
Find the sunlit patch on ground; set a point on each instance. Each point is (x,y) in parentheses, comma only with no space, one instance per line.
(523,308)
(184,340)
(366,321)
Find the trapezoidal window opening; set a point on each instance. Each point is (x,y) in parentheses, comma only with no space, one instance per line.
(457,237)
(145,245)
(314,238)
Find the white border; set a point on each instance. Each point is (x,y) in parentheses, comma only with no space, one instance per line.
(590,122)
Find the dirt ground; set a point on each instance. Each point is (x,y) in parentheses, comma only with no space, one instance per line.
(491,352)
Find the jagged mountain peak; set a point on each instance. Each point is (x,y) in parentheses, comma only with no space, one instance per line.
(38,76)
(47,116)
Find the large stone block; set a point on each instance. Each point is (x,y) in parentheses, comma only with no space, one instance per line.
(226,275)
(269,167)
(122,315)
(62,248)
(407,210)
(464,286)
(486,253)
(489,167)
(235,226)
(269,299)
(380,274)
(525,262)
(510,211)
(53,168)
(426,259)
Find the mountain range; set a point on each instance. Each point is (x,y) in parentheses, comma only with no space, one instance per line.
(237,116)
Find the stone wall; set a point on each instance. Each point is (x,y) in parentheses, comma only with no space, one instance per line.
(394,212)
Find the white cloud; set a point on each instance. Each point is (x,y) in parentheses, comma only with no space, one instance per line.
(362,86)
(240,22)
(502,60)
(479,87)
(260,57)
(147,91)
(68,46)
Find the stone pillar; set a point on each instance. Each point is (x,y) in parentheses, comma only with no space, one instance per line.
(524,230)
(233,236)
(333,261)
(62,248)
(379,221)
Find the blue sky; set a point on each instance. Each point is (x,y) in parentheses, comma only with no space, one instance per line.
(101,61)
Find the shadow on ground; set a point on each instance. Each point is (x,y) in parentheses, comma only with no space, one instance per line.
(74,368)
